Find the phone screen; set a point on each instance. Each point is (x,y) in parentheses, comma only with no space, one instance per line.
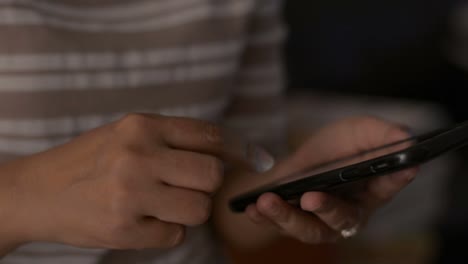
(343,175)
(353,159)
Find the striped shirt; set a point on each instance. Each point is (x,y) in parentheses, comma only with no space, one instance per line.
(67,66)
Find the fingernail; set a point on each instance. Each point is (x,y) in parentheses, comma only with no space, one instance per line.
(245,153)
(274,209)
(408,130)
(261,159)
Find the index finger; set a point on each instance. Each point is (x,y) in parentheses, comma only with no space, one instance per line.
(209,138)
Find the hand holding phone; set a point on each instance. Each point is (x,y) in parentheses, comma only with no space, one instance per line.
(339,175)
(323,216)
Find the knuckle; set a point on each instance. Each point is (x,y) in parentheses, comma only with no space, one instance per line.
(176,124)
(212,133)
(132,125)
(312,236)
(131,120)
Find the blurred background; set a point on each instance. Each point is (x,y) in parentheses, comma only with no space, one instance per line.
(404,60)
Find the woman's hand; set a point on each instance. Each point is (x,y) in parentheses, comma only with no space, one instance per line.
(324,217)
(132,184)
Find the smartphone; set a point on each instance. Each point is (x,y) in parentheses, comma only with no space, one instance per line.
(342,174)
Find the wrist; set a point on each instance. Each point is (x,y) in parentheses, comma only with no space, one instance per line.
(13,222)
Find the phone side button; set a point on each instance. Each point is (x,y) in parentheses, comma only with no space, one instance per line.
(384,165)
(348,174)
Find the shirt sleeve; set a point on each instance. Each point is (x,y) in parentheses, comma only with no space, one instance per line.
(257,109)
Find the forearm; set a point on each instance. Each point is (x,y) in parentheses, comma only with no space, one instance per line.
(11,227)
(22,218)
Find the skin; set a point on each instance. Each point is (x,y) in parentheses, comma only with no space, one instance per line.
(321,216)
(139,182)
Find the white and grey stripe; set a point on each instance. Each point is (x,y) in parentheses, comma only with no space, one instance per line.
(20,16)
(122,12)
(75,125)
(115,79)
(68,66)
(128,11)
(129,59)
(134,58)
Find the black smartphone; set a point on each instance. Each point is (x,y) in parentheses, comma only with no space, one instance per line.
(342,174)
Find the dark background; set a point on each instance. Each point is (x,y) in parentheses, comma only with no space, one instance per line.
(376,47)
(392,48)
